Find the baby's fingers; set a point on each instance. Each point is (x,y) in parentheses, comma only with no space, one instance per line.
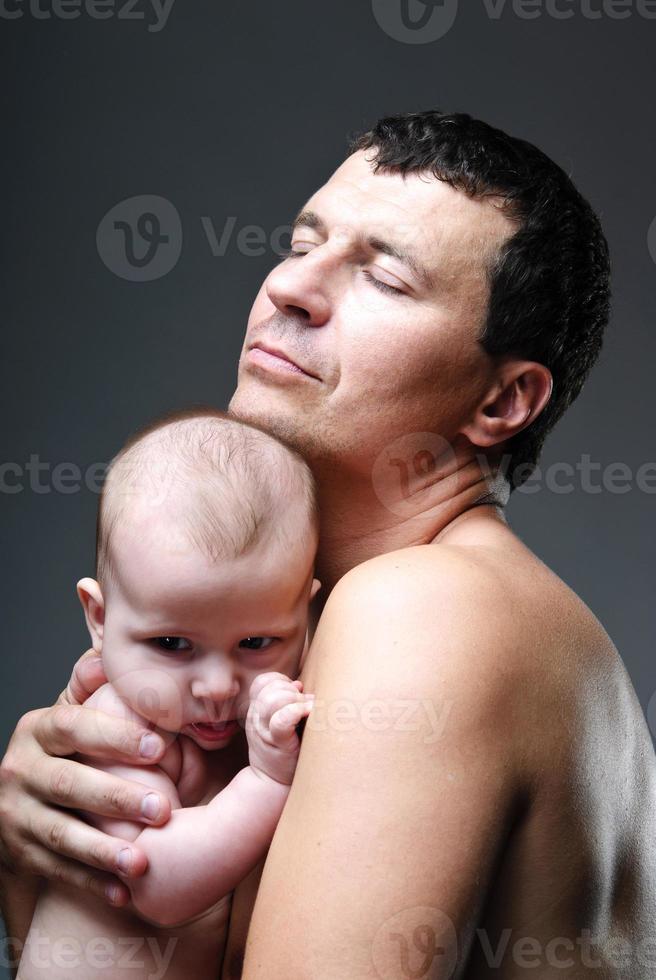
(271,699)
(283,723)
(263,680)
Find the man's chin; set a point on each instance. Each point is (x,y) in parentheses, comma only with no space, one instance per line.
(231,403)
(249,407)
(280,421)
(258,403)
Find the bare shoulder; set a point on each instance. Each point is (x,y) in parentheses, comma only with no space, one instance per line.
(419,583)
(491,623)
(499,591)
(533,717)
(468,604)
(437,628)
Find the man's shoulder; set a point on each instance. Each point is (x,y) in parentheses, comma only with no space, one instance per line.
(424,568)
(464,588)
(429,630)
(426,620)
(471,586)
(466,613)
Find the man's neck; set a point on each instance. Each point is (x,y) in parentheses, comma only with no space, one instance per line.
(361,519)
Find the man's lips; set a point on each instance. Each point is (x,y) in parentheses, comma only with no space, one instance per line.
(267,355)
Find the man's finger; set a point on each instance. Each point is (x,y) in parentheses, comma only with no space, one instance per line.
(80,787)
(87,677)
(108,888)
(70,837)
(68,728)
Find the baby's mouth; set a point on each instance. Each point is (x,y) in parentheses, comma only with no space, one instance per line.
(216,729)
(215,725)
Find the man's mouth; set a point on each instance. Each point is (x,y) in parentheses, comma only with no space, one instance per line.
(274,359)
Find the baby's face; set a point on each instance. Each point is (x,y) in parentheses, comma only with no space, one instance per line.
(183,637)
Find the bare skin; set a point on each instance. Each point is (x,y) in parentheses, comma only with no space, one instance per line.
(557,870)
(532,808)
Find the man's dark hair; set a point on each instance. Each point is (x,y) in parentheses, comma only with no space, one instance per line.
(549,286)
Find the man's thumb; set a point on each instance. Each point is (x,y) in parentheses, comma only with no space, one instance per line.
(87,677)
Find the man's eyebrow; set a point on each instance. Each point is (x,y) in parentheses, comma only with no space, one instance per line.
(405,256)
(310,219)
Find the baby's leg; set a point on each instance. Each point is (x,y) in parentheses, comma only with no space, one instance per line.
(80,937)
(62,911)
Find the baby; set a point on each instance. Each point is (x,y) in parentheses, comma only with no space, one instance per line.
(206,540)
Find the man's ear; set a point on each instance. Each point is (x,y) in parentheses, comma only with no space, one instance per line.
(93,604)
(517,399)
(316,585)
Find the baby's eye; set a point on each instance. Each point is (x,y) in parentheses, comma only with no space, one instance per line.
(257,642)
(172,643)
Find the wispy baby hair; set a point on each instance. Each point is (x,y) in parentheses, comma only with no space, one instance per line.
(225,482)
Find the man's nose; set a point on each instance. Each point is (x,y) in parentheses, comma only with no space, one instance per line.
(297,287)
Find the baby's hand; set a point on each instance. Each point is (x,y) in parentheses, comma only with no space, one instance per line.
(277,705)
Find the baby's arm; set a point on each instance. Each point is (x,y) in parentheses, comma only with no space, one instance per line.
(203,852)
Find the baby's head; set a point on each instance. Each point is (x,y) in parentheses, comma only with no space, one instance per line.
(206,540)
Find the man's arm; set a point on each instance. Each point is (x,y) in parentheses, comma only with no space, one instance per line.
(408,780)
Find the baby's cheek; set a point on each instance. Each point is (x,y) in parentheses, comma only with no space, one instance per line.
(153,692)
(294,660)
(116,659)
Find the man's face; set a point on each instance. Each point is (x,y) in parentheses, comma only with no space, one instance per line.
(380,303)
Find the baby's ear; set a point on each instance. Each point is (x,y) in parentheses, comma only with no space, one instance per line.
(93,604)
(316,585)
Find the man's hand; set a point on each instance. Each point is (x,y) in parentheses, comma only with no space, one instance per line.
(88,675)
(37,836)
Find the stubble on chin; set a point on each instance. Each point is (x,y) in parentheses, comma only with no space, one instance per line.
(248,407)
(318,440)
(293,432)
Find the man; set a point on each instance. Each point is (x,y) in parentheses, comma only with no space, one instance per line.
(476,791)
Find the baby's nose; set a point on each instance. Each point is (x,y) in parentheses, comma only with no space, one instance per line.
(215,686)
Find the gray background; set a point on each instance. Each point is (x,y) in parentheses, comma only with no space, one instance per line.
(241,111)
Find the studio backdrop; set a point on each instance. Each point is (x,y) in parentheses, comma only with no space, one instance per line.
(154,154)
